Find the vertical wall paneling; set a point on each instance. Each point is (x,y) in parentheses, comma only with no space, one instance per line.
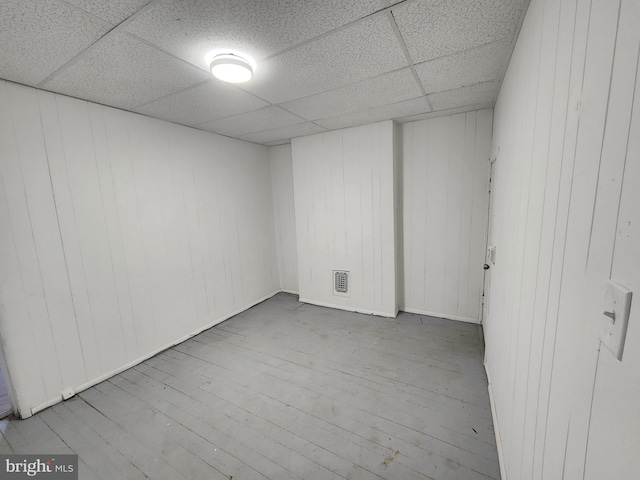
(445,162)
(564,139)
(613,436)
(435,211)
(398,176)
(122,235)
(344,216)
(284,214)
(21,280)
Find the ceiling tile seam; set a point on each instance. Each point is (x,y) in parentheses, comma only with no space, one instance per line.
(199,67)
(155,46)
(75,59)
(304,120)
(182,90)
(191,87)
(371,109)
(279,128)
(94,102)
(297,115)
(138,12)
(84,52)
(209,132)
(470,49)
(467,50)
(403,45)
(166,52)
(398,34)
(389,72)
(514,39)
(280,105)
(292,113)
(446,111)
(382,11)
(467,86)
(429,103)
(256,96)
(491,80)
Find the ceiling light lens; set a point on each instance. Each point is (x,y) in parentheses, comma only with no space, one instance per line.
(231,68)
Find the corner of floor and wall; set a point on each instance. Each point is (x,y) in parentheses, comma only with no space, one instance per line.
(126,235)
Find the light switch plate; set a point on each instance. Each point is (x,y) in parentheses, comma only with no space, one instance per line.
(491,254)
(617,306)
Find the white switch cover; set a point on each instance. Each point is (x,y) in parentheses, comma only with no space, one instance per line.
(617,305)
(491,254)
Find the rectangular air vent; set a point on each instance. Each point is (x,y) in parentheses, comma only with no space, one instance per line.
(341,282)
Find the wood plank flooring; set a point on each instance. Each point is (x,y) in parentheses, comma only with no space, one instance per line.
(285,391)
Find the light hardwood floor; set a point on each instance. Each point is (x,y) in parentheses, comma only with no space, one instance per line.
(285,390)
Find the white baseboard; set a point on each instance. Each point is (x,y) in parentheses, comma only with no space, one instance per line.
(133,363)
(292,292)
(496,428)
(347,308)
(441,315)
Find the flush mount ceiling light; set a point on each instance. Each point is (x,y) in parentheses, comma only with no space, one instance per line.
(232,68)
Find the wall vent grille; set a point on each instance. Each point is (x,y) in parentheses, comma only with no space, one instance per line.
(341,282)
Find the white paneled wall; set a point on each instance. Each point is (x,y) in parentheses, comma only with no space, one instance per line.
(284,216)
(566,220)
(344,209)
(121,235)
(445,163)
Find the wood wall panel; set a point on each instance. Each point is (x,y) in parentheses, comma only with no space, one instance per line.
(445,164)
(122,235)
(344,214)
(564,142)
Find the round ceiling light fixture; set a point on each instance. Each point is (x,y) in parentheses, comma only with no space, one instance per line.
(232,68)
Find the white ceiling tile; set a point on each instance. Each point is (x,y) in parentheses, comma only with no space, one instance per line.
(205,102)
(284,133)
(267,118)
(192,28)
(124,72)
(472,66)
(384,112)
(365,49)
(113,11)
(37,38)
(441,113)
(335,63)
(479,94)
(387,88)
(435,28)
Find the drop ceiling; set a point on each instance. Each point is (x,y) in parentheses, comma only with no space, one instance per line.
(321,64)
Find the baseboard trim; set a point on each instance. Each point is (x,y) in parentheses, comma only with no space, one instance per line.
(347,308)
(496,428)
(441,315)
(133,363)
